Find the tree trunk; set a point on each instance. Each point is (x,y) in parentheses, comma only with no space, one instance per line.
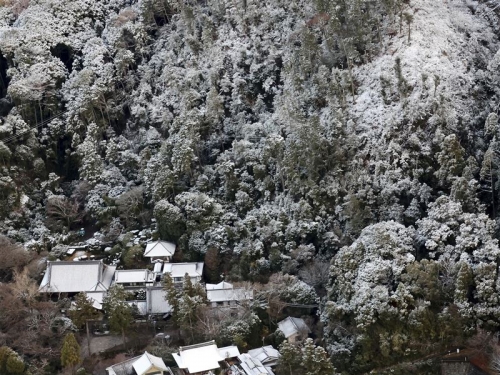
(88,336)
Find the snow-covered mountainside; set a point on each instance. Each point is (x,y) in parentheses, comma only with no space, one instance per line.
(270,137)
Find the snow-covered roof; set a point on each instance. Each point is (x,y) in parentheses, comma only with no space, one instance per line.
(156,303)
(147,362)
(133,276)
(199,357)
(159,249)
(136,365)
(252,366)
(268,355)
(123,368)
(96,298)
(224,295)
(180,269)
(221,285)
(73,277)
(229,352)
(290,326)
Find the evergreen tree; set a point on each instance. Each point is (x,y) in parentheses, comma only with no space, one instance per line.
(117,309)
(290,361)
(84,311)
(15,365)
(10,362)
(212,264)
(315,360)
(305,359)
(70,352)
(172,296)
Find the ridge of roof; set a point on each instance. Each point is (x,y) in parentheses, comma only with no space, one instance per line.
(195,346)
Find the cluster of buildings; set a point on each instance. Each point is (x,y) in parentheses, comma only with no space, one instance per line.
(94,278)
(203,359)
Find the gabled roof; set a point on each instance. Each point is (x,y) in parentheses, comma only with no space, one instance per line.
(268,355)
(134,366)
(180,269)
(159,249)
(290,326)
(156,303)
(146,362)
(123,368)
(199,357)
(73,277)
(133,276)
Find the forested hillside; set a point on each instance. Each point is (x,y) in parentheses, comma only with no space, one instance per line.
(272,136)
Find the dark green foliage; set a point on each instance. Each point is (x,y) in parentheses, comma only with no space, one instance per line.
(120,314)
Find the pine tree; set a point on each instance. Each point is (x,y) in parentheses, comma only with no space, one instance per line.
(70,352)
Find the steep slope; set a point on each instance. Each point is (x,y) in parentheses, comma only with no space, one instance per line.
(266,135)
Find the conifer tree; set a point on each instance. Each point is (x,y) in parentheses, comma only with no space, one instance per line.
(118,311)
(84,311)
(171,296)
(315,360)
(70,352)
(289,361)
(15,365)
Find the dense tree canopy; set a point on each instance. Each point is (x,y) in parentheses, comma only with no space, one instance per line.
(274,138)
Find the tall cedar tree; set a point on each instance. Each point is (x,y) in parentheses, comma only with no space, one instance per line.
(118,311)
(70,352)
(84,312)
